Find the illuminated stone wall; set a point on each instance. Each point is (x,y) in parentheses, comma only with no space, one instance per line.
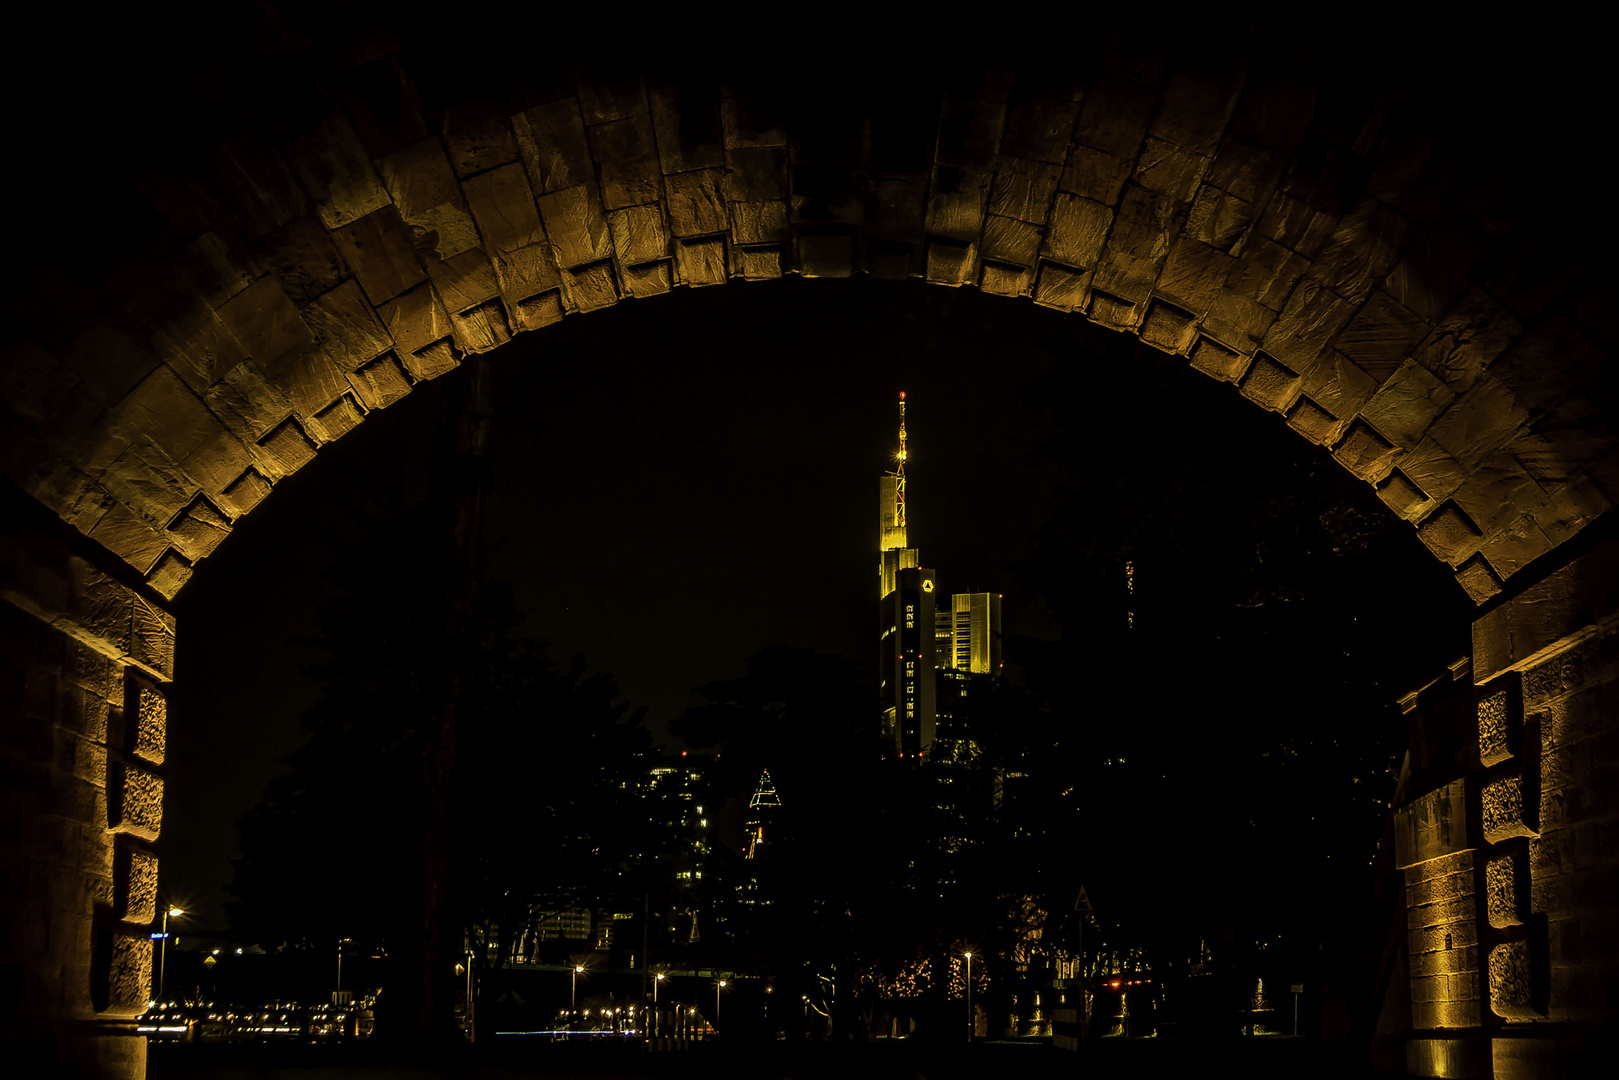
(81,734)
(1315,241)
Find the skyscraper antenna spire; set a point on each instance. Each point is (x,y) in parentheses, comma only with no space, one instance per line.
(899,470)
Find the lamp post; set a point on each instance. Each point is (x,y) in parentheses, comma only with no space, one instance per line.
(717,990)
(573,997)
(656,979)
(163,947)
(970,1024)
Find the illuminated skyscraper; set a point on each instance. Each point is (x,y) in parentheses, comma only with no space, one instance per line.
(761,814)
(923,635)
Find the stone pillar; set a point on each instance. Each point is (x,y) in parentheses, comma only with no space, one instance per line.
(86,659)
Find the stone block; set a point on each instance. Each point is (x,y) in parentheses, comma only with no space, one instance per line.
(951,263)
(1365,453)
(433,360)
(504,209)
(1270,384)
(1113,312)
(379,250)
(648,279)
(1218,218)
(957,199)
(1001,279)
(758,222)
(1432,828)
(1246,172)
(1169,169)
(590,288)
(1038,127)
(1095,175)
(415,319)
(1450,534)
(1061,287)
(1569,508)
(170,574)
(755,174)
(464,282)
(1404,406)
(696,207)
(551,143)
(130,536)
(1266,272)
(346,328)
(756,263)
(337,419)
(286,449)
(750,122)
(304,257)
(1496,493)
(1168,327)
(538,311)
(135,800)
(1194,110)
(1515,546)
(1307,325)
(482,328)
(1361,251)
(1508,811)
(1193,275)
(701,262)
(1008,240)
(1312,421)
(1382,335)
(1138,244)
(335,169)
(627,160)
(198,530)
(425,191)
(1023,189)
(1500,722)
(1512,982)
(1296,225)
(1506,892)
(525,271)
(246,492)
(381,382)
(1217,361)
(264,321)
(577,226)
(1114,115)
(1077,231)
(129,977)
(134,883)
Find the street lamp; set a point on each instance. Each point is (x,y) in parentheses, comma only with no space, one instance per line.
(656,1016)
(717,990)
(573,998)
(163,947)
(970,1024)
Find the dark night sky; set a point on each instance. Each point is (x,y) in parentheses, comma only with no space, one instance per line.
(678,483)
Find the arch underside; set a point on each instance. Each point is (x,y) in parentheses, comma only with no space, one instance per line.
(1322,245)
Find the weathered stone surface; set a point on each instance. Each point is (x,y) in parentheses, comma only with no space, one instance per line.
(525,271)
(551,142)
(1406,404)
(1511,982)
(1499,717)
(245,493)
(648,279)
(1296,225)
(138,805)
(1023,189)
(1570,508)
(1168,327)
(951,263)
(424,190)
(169,412)
(378,248)
(1219,218)
(287,449)
(1266,272)
(1544,614)
(107,359)
(130,536)
(150,482)
(1011,241)
(1430,829)
(1381,335)
(1477,580)
(1496,493)
(345,328)
(1546,367)
(758,222)
(433,360)
(504,209)
(1077,231)
(1114,116)
(1450,534)
(1138,244)
(464,282)
(538,311)
(415,319)
(337,419)
(1365,453)
(1170,170)
(197,532)
(825,256)
(627,158)
(1217,361)
(1516,546)
(956,203)
(334,167)
(135,884)
(590,288)
(1193,274)
(701,262)
(1114,312)
(1270,384)
(751,121)
(686,122)
(1402,496)
(756,263)
(1312,421)
(1507,812)
(129,978)
(999,279)
(1246,172)
(577,226)
(1038,127)
(1093,174)
(1361,251)
(696,207)
(481,328)
(1194,111)
(755,174)
(1307,325)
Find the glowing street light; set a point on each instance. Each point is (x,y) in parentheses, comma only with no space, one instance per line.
(573,997)
(163,947)
(717,990)
(970,1024)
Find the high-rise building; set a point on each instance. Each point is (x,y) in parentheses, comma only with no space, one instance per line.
(761,815)
(929,643)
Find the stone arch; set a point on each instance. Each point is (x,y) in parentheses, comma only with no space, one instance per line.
(1312,233)
(1323,244)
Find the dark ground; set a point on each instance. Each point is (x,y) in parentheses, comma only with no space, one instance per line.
(886,1060)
